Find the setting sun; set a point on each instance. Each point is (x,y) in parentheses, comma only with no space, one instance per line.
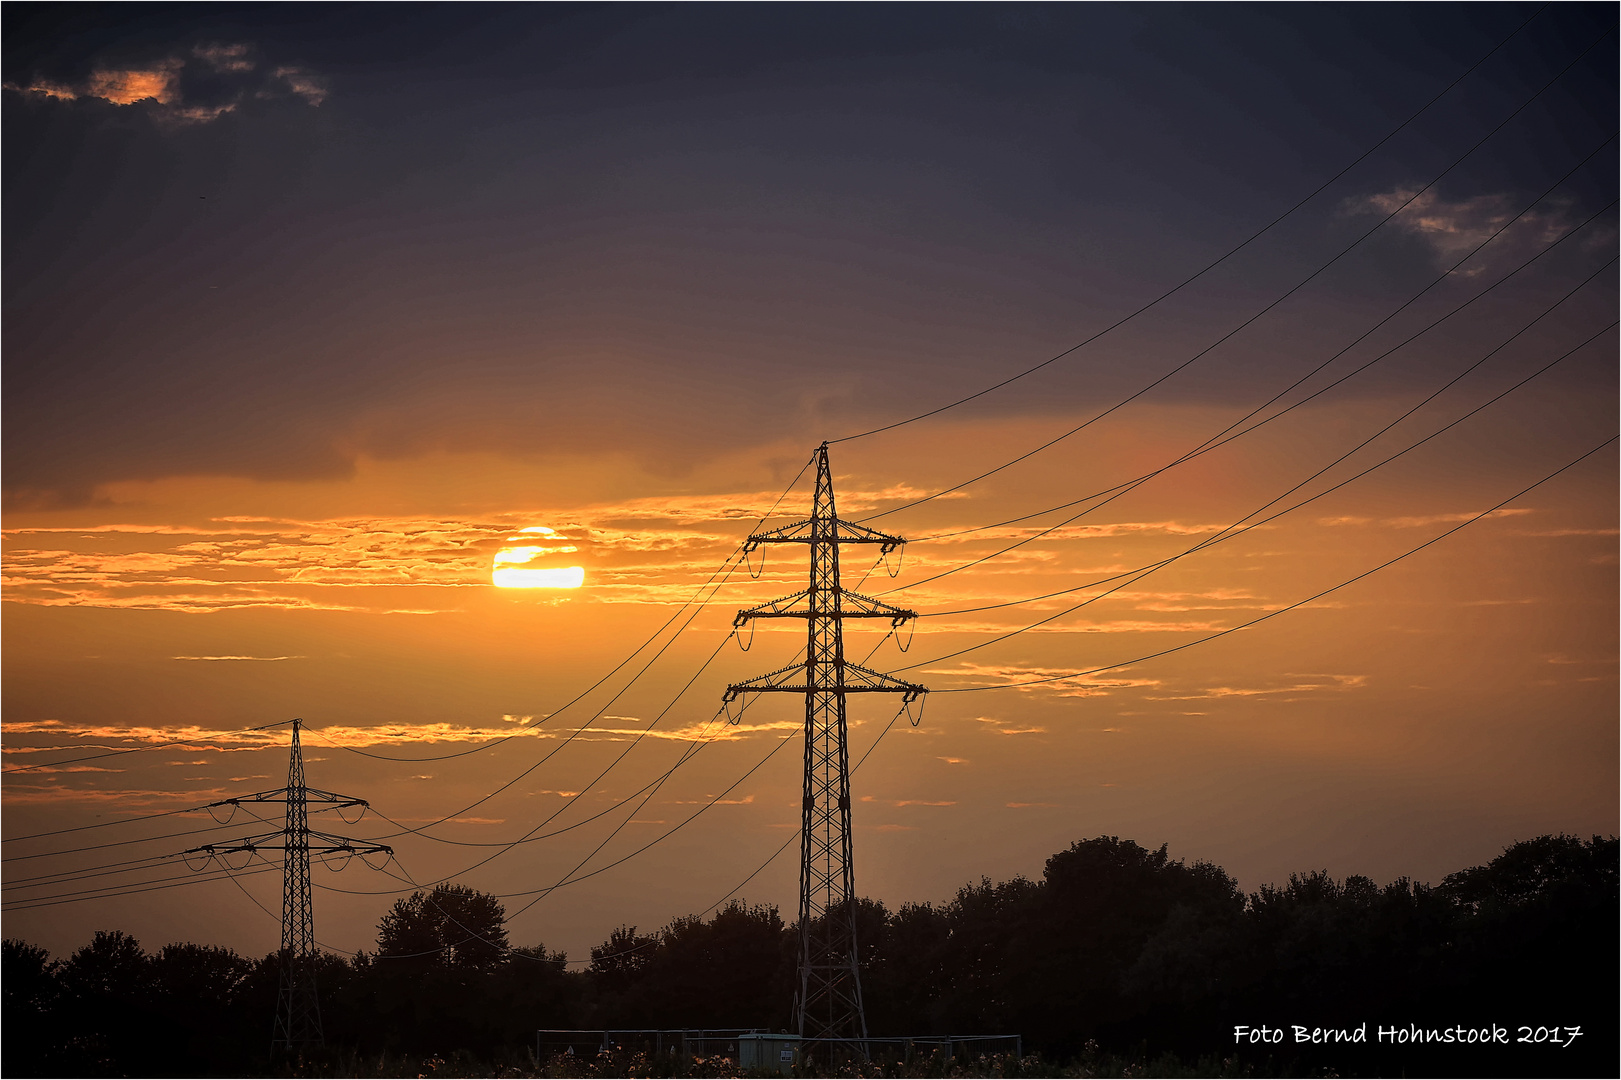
(513,570)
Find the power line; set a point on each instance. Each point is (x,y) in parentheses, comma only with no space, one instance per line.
(775,855)
(1409,412)
(1296,604)
(704,666)
(144,839)
(1229,254)
(577,731)
(686,756)
(791,839)
(508,846)
(184,880)
(1227,434)
(1228,533)
(573,876)
(725,563)
(696,610)
(64,877)
(1258,314)
(533,838)
(1212,443)
(658,781)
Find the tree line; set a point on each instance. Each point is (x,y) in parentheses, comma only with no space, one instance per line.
(1115,946)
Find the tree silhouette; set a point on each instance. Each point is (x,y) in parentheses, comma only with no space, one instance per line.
(451,926)
(28,980)
(618,961)
(732,971)
(1116,943)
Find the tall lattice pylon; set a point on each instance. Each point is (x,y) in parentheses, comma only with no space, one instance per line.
(298,1005)
(828,1003)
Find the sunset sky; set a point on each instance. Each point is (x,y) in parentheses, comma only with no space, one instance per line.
(325,323)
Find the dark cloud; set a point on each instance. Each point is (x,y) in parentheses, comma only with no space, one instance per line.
(671,230)
(190,86)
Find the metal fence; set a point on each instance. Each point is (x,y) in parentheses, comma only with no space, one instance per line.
(688,1042)
(768,1051)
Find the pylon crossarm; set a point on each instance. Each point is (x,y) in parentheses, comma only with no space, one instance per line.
(338,846)
(351,849)
(858,679)
(762,684)
(345,842)
(852,605)
(335,801)
(279,795)
(247,843)
(339,801)
(868,608)
(845,532)
(797,533)
(781,607)
(888,686)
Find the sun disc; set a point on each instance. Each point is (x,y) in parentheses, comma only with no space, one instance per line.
(554,577)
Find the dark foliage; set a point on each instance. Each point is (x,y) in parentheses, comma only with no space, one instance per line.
(733,971)
(1119,958)
(450,926)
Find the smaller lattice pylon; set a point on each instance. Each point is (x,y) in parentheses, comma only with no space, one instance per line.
(298,1004)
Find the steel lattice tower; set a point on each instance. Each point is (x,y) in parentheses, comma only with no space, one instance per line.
(298,1006)
(828,1003)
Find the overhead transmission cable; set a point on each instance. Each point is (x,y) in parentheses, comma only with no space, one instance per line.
(1212,442)
(723,567)
(573,735)
(1325,185)
(1238,527)
(68,876)
(569,879)
(1235,530)
(534,836)
(171,883)
(696,610)
(585,788)
(61,877)
(531,835)
(1297,604)
(1250,319)
(700,741)
(116,843)
(1227,434)
(574,875)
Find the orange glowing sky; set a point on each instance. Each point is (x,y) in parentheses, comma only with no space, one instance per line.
(552,332)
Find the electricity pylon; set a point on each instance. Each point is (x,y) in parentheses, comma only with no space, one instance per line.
(298,1006)
(828,1002)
